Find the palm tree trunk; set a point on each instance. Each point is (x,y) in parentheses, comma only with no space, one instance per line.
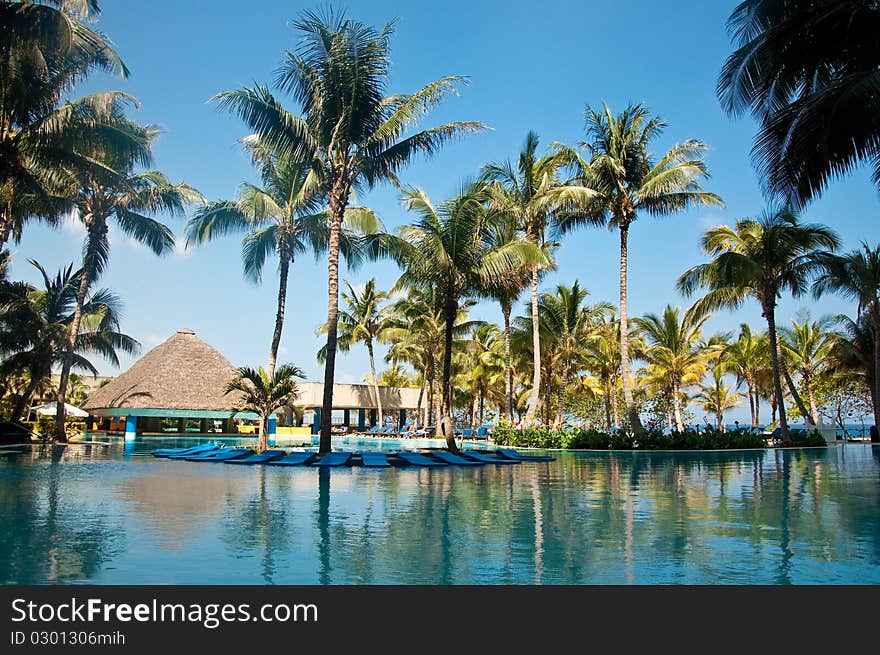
(284,269)
(429,406)
(535,395)
(482,404)
(369,343)
(508,367)
(794,392)
(421,397)
(262,439)
(676,404)
(811,396)
(25,399)
(338,201)
(770,315)
(631,413)
(752,413)
(448,428)
(608,405)
(614,408)
(97,230)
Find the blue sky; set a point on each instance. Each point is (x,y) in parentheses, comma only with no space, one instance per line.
(532,66)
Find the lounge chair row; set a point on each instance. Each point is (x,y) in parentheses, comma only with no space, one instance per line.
(246,456)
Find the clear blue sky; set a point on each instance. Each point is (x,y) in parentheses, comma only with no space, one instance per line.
(531,66)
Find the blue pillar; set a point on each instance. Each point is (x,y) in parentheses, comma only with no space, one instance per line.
(373,416)
(362,419)
(316,423)
(402,419)
(346,417)
(273,428)
(130,427)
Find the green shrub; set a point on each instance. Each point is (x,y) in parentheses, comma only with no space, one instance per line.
(592,439)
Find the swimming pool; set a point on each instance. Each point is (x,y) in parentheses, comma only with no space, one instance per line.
(95,514)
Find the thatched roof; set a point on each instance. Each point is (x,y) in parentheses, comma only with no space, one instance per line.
(183,372)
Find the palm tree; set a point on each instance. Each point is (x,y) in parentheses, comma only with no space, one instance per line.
(339,75)
(446,249)
(747,358)
(35,327)
(264,395)
(854,351)
(570,324)
(531,195)
(673,349)
(808,71)
(627,180)
(127,198)
(283,216)
(364,320)
(602,358)
(760,259)
(483,366)
(808,345)
(717,397)
(395,376)
(46,48)
(856,275)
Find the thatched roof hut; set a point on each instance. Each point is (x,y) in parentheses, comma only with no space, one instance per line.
(183,376)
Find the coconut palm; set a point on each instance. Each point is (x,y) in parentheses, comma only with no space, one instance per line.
(35,327)
(673,351)
(264,395)
(483,367)
(717,397)
(627,180)
(530,196)
(365,319)
(808,71)
(601,356)
(760,259)
(339,75)
(747,357)
(854,351)
(856,276)
(808,344)
(284,216)
(46,48)
(446,249)
(570,323)
(395,376)
(127,197)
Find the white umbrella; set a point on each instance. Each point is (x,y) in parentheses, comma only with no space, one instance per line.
(51,409)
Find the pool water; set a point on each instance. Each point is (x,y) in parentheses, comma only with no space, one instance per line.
(98,514)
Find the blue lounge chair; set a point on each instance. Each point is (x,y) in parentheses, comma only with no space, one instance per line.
(259,458)
(374,459)
(374,429)
(190,450)
(296,458)
(486,459)
(516,456)
(335,458)
(214,450)
(451,458)
(467,433)
(482,433)
(221,456)
(417,459)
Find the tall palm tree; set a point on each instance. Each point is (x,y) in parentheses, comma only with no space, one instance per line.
(760,259)
(47,47)
(747,357)
(365,319)
(264,394)
(602,358)
(483,361)
(445,248)
(808,71)
(531,195)
(35,324)
(673,349)
(339,75)
(854,351)
(284,216)
(808,345)
(626,180)
(128,197)
(856,275)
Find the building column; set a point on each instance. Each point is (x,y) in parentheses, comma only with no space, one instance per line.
(402,419)
(346,417)
(373,417)
(181,425)
(130,428)
(90,423)
(203,426)
(273,429)
(316,422)
(362,419)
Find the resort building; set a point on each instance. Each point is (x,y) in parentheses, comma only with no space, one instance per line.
(178,386)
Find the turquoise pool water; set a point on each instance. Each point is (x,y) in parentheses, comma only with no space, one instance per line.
(96,514)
